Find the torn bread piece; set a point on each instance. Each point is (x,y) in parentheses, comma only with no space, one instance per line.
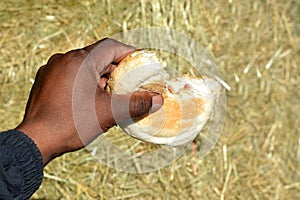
(188,101)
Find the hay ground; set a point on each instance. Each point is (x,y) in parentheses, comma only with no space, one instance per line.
(255,44)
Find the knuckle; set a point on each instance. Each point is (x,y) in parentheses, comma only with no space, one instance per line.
(55,57)
(74,57)
(40,71)
(109,41)
(74,54)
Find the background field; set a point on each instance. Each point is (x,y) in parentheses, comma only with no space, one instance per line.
(255,44)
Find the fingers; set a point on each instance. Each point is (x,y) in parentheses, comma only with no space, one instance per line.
(121,57)
(126,109)
(105,52)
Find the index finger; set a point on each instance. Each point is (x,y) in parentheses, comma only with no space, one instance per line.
(107,51)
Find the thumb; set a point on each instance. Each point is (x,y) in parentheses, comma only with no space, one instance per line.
(143,103)
(130,107)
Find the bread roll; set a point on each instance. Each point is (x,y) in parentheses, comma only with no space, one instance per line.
(188,101)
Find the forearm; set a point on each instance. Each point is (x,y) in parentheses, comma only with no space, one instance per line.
(21,164)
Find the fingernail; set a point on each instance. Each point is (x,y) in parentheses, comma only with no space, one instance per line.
(157,102)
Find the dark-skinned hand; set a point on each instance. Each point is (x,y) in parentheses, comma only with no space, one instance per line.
(68,106)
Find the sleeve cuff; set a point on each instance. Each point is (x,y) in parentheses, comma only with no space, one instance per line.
(22,162)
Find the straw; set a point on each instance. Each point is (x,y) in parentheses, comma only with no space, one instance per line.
(255,45)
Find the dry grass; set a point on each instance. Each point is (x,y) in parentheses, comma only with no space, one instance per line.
(256,46)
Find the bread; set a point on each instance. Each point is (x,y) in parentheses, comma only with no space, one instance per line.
(188,101)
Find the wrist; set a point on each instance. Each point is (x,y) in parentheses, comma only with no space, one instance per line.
(40,136)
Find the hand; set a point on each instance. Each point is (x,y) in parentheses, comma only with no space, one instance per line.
(68,106)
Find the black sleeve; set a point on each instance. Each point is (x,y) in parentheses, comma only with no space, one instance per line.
(21,166)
